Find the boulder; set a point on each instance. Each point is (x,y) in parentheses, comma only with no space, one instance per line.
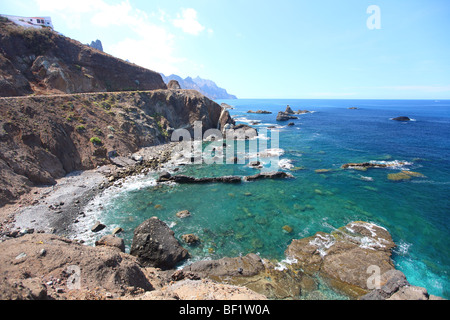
(98,226)
(190,238)
(183,214)
(154,245)
(173,85)
(111,241)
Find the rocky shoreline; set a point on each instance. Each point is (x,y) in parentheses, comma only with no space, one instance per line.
(35,253)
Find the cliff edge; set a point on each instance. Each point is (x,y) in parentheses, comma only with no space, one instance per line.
(42,61)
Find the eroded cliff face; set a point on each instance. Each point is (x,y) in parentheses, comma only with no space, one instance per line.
(42,61)
(43,138)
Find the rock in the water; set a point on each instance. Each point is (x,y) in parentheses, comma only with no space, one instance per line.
(98,226)
(268,175)
(283,116)
(190,238)
(117,230)
(345,255)
(402,119)
(302,111)
(183,214)
(259,112)
(154,245)
(289,110)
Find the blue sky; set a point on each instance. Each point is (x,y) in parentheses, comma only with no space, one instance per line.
(271,49)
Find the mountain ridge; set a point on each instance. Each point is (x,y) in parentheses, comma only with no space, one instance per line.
(207,87)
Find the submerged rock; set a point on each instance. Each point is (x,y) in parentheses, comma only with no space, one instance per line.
(399,176)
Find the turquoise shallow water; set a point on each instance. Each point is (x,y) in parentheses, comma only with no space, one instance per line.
(249,217)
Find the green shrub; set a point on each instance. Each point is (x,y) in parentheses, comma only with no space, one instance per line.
(80,128)
(96,141)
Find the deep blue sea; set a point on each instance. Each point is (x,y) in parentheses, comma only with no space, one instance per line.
(249,217)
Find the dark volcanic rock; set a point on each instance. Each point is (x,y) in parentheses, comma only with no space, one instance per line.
(402,119)
(187,179)
(154,245)
(268,175)
(283,116)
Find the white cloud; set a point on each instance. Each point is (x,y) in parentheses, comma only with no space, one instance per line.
(187,21)
(150,44)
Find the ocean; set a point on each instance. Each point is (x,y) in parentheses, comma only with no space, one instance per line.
(233,220)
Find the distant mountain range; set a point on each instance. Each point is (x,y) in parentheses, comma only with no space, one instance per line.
(206,87)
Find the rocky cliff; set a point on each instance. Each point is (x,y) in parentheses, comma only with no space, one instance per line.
(42,61)
(42,138)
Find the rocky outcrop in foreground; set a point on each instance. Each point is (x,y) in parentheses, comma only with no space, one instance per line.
(43,266)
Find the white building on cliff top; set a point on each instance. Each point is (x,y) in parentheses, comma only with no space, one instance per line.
(30,22)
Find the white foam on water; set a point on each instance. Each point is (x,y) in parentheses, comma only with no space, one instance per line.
(95,209)
(395,164)
(402,248)
(283,264)
(323,243)
(285,164)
